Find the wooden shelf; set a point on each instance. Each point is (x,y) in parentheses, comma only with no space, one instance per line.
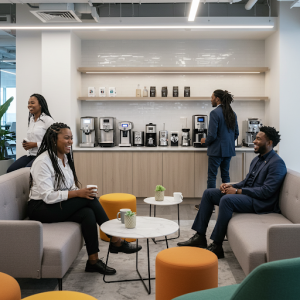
(170,70)
(174,99)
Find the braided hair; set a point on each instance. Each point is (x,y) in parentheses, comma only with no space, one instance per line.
(226,99)
(44,106)
(49,144)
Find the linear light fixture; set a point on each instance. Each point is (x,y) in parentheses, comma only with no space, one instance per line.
(172,72)
(193,11)
(136,27)
(8,72)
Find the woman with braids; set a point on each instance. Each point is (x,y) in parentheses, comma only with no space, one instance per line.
(55,196)
(223,130)
(39,120)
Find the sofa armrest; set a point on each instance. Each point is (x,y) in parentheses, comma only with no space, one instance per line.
(21,248)
(283,241)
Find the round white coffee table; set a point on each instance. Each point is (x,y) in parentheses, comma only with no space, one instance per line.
(166,202)
(146,227)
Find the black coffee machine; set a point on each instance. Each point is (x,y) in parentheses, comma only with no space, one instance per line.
(151,135)
(200,127)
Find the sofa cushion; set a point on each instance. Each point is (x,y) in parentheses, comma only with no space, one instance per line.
(14,194)
(247,235)
(289,199)
(62,243)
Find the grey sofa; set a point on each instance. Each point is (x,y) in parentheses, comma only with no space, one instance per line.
(30,249)
(256,239)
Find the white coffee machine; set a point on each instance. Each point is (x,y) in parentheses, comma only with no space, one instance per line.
(88,126)
(125,133)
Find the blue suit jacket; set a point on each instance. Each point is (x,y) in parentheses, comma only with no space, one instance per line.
(220,139)
(266,184)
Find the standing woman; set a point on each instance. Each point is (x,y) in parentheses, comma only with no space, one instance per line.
(223,130)
(39,120)
(55,196)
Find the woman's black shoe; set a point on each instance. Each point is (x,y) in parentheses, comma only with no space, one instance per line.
(99,267)
(125,248)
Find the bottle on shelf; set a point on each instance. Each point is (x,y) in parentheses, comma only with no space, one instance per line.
(138,92)
(145,92)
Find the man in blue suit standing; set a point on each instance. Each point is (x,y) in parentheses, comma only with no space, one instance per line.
(223,130)
(258,193)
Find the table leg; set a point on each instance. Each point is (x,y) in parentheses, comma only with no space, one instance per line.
(148,289)
(150,211)
(154,217)
(167,242)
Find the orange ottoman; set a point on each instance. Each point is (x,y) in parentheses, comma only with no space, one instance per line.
(9,288)
(112,203)
(184,270)
(60,295)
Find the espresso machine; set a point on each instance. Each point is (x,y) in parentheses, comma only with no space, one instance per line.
(185,137)
(107,132)
(151,135)
(138,138)
(88,126)
(200,128)
(163,137)
(250,128)
(125,133)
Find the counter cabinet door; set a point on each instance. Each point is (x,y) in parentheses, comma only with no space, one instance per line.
(178,173)
(88,166)
(201,167)
(147,173)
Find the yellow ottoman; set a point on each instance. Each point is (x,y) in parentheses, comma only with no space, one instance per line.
(184,270)
(9,288)
(112,203)
(60,295)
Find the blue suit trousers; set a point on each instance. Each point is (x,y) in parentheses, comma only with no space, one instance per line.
(227,205)
(214,162)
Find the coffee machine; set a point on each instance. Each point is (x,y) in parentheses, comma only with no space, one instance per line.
(250,128)
(174,138)
(163,137)
(185,137)
(138,138)
(200,128)
(107,132)
(88,126)
(125,133)
(151,135)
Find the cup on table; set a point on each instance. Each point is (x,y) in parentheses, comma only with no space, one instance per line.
(122,212)
(94,190)
(177,196)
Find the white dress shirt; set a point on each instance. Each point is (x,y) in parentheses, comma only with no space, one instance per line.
(36,131)
(43,175)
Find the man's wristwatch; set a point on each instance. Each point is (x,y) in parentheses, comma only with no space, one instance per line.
(236,191)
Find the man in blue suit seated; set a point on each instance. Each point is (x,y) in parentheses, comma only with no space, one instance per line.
(258,193)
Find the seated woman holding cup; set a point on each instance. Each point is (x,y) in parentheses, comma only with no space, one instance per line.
(55,196)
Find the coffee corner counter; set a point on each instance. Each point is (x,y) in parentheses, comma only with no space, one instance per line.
(137,170)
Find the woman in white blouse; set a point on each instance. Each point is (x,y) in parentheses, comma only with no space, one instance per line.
(55,196)
(39,120)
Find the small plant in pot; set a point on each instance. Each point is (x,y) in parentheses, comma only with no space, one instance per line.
(159,193)
(130,220)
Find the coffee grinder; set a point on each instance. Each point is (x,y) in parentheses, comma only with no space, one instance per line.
(200,128)
(163,137)
(125,133)
(151,135)
(174,138)
(88,126)
(250,129)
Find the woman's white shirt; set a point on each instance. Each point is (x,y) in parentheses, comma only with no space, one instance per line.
(36,131)
(43,175)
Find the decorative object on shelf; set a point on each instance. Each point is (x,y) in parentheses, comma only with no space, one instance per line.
(164,91)
(152,91)
(138,92)
(159,193)
(112,92)
(91,92)
(187,91)
(130,219)
(174,138)
(145,92)
(175,91)
(102,91)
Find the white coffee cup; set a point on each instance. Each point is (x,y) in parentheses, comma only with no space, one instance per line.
(122,212)
(94,190)
(177,196)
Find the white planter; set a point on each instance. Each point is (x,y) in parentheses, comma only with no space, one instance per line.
(5,164)
(130,221)
(159,195)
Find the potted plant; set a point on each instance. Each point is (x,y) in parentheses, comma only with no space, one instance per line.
(5,136)
(130,219)
(159,193)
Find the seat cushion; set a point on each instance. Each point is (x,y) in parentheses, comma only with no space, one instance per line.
(247,235)
(62,243)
